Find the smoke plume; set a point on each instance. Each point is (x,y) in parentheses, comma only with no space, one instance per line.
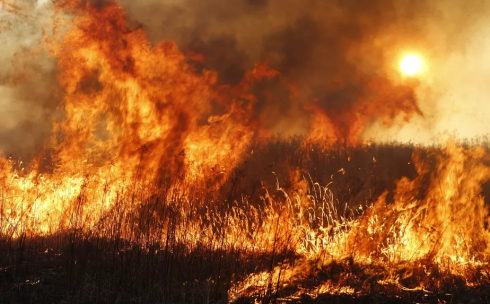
(337,63)
(331,50)
(335,53)
(28,88)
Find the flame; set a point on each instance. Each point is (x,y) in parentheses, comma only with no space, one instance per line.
(446,227)
(139,136)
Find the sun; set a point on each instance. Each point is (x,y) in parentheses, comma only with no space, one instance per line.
(411,65)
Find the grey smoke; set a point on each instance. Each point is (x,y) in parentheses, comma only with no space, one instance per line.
(28,89)
(314,44)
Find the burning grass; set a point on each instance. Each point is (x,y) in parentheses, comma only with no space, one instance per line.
(162,184)
(266,233)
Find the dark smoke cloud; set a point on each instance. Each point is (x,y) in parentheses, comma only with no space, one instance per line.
(330,50)
(28,86)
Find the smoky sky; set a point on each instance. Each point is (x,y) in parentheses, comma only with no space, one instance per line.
(328,50)
(28,88)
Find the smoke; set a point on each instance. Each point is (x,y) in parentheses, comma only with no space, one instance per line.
(332,51)
(329,50)
(338,62)
(28,90)
(341,45)
(454,92)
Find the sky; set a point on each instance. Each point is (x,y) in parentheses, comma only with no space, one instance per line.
(313,44)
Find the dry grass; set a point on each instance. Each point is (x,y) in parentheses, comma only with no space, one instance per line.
(180,242)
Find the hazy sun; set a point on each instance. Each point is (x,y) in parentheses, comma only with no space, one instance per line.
(411,65)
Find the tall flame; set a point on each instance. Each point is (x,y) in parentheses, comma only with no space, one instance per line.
(143,133)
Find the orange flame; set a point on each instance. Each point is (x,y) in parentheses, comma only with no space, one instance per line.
(137,116)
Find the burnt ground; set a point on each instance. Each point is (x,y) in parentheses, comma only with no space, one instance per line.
(91,272)
(97,271)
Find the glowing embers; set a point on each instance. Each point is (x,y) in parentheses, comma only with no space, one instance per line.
(411,65)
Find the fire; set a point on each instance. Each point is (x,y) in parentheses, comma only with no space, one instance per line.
(411,65)
(143,157)
(446,227)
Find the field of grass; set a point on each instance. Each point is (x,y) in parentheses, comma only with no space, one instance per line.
(162,178)
(282,227)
